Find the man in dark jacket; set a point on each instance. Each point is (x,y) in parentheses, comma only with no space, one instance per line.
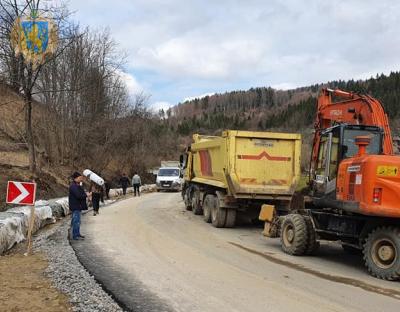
(124,181)
(77,203)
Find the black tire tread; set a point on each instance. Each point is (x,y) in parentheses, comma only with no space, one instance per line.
(298,247)
(312,243)
(219,214)
(392,274)
(196,206)
(230,218)
(207,207)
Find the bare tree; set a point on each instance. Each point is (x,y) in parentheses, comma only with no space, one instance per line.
(21,75)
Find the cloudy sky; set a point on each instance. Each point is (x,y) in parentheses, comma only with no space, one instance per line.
(179,49)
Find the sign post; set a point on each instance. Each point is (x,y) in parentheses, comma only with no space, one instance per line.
(23,193)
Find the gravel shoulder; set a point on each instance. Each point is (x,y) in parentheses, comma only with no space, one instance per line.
(52,279)
(67,273)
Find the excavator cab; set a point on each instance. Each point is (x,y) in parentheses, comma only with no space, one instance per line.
(338,143)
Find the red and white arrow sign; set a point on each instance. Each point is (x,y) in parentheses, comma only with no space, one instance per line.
(21,193)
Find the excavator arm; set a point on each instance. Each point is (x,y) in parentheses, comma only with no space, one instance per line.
(352,109)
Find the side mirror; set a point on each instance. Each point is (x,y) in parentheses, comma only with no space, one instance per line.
(181,160)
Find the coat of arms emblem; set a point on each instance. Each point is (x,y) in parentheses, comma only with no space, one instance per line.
(35,38)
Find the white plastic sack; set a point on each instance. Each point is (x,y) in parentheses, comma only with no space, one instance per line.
(64,204)
(41,202)
(12,230)
(43,215)
(93,177)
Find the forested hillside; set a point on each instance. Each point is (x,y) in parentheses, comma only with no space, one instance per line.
(266,108)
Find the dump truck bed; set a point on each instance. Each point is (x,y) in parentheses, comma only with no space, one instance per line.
(248,164)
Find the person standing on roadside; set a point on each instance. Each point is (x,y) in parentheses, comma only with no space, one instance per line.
(107,187)
(96,196)
(77,203)
(136,183)
(124,182)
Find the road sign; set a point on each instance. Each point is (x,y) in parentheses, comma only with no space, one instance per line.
(21,193)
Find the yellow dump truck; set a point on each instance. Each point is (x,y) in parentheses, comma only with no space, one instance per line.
(240,171)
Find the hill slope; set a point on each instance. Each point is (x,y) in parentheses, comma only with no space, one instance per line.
(266,108)
(14,153)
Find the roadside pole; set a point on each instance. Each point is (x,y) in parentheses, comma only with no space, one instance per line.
(30,230)
(23,193)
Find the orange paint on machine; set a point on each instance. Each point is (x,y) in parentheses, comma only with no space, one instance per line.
(370,181)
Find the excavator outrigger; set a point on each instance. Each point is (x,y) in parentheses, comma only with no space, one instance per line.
(354,185)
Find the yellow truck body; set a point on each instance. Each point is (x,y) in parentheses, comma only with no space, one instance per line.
(247,164)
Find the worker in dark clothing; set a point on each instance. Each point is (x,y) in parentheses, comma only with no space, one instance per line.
(77,203)
(96,197)
(107,187)
(124,182)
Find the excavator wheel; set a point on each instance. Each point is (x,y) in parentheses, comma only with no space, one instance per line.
(312,243)
(196,206)
(207,207)
(294,235)
(230,218)
(218,214)
(382,253)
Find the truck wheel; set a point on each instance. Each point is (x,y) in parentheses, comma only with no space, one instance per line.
(382,253)
(230,218)
(207,207)
(196,207)
(218,214)
(186,199)
(312,243)
(294,235)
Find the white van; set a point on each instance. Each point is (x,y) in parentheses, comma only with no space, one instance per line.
(169,178)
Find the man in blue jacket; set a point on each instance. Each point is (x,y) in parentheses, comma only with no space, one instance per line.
(77,203)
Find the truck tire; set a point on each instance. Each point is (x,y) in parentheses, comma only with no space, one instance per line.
(207,207)
(382,253)
(230,218)
(312,243)
(187,199)
(218,214)
(196,205)
(294,235)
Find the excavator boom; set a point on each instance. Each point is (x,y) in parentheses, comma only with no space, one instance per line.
(352,109)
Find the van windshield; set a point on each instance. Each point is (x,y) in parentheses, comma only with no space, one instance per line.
(170,172)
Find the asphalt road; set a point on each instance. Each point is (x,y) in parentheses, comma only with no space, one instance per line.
(153,255)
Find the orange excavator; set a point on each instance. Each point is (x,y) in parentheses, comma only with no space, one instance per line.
(354,183)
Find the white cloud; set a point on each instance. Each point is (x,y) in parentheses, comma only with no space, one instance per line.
(187,47)
(284,86)
(191,98)
(132,84)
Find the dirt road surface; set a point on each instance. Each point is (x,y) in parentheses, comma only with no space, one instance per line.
(153,255)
